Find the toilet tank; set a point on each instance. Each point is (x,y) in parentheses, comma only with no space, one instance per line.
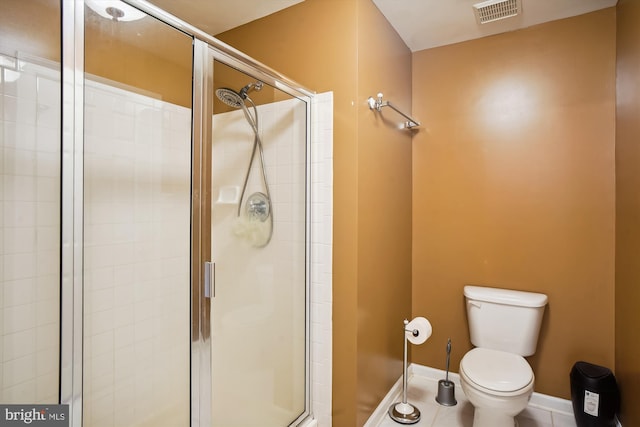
(504,319)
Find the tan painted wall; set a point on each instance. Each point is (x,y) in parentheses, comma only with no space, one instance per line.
(31,27)
(628,209)
(513,186)
(384,208)
(345,46)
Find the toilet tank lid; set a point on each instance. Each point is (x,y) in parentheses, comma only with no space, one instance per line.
(505,296)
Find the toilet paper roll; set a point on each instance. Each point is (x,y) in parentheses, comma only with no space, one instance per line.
(418,330)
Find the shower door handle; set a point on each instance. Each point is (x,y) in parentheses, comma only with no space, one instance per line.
(209,279)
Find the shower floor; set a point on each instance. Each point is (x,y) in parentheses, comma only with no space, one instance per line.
(423,388)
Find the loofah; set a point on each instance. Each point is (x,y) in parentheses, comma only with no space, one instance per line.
(253,231)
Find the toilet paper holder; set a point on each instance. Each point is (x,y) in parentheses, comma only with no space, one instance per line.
(414,332)
(417,332)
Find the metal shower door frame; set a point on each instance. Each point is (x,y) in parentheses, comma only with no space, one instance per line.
(72,209)
(266,75)
(201,379)
(72,225)
(205,53)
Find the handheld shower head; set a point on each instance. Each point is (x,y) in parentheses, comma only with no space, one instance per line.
(236,99)
(230,97)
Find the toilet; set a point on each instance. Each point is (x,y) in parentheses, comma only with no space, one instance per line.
(504,326)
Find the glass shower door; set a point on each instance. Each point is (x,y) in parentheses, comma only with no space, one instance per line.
(259,330)
(137,219)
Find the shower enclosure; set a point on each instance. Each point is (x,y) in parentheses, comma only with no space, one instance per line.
(155,240)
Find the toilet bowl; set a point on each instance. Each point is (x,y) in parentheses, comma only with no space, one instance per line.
(503,326)
(498,384)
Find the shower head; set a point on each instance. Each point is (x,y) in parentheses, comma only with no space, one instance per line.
(230,97)
(236,99)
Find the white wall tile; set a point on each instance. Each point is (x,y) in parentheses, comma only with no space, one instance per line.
(29,240)
(19,292)
(137,219)
(18,344)
(277,264)
(47,337)
(47,313)
(18,161)
(321,272)
(48,92)
(22,392)
(19,370)
(18,318)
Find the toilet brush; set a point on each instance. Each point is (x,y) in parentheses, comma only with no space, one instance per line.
(447,389)
(417,331)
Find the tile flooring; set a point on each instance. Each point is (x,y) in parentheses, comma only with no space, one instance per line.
(422,390)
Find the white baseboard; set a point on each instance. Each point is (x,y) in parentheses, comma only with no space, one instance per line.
(381,411)
(538,400)
(433,373)
(551,403)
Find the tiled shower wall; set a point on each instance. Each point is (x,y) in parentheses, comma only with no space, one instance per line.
(321,256)
(29,230)
(279,265)
(258,313)
(137,217)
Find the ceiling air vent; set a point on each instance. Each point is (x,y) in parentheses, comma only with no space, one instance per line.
(494,10)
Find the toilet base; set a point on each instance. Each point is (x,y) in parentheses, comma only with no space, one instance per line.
(484,417)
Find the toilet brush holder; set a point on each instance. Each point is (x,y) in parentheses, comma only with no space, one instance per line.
(446,393)
(417,331)
(447,389)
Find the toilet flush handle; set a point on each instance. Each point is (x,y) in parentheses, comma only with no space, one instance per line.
(475,303)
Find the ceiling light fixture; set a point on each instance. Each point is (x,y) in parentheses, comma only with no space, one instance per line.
(115,10)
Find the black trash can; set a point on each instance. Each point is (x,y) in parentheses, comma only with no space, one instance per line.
(594,394)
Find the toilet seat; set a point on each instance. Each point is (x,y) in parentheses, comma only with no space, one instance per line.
(496,372)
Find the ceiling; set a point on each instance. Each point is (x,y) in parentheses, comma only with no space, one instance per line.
(217,16)
(422,24)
